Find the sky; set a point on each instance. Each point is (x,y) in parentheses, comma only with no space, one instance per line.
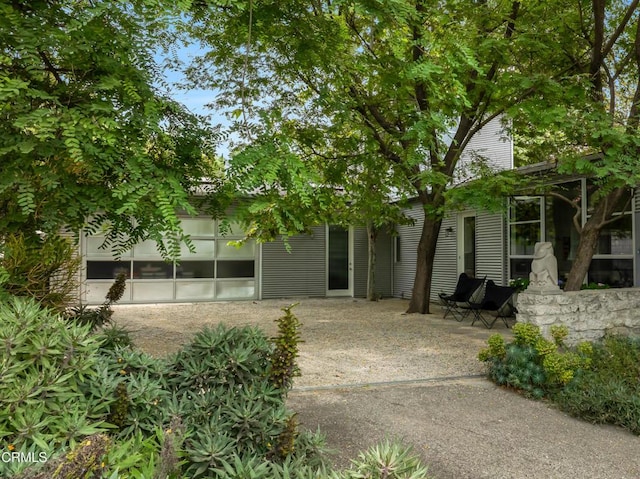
(196,99)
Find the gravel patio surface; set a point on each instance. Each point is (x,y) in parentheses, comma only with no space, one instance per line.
(346,341)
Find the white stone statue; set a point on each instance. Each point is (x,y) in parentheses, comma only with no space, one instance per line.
(544,270)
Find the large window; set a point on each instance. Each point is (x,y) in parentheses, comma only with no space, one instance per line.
(612,263)
(552,218)
(215,270)
(525,227)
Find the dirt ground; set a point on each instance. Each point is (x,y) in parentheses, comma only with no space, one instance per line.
(346,341)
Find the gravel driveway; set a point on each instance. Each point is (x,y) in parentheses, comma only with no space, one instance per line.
(346,341)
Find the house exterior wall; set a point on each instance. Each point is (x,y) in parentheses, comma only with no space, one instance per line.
(445,263)
(301,272)
(384,263)
(490,144)
(360,262)
(491,247)
(404,268)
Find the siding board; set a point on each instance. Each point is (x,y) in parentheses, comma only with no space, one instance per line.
(490,247)
(445,264)
(360,260)
(302,272)
(404,270)
(384,264)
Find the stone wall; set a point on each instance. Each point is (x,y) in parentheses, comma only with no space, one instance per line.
(588,314)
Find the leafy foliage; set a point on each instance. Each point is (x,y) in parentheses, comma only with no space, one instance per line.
(388,460)
(49,393)
(377,99)
(85,132)
(284,366)
(209,410)
(609,392)
(532,363)
(44,268)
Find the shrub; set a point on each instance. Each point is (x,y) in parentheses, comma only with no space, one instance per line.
(43,268)
(388,460)
(533,363)
(284,366)
(608,392)
(49,377)
(100,316)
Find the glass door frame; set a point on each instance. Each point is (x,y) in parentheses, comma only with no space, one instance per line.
(340,292)
(461,242)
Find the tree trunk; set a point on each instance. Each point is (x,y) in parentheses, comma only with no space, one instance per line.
(589,235)
(372,234)
(424,266)
(586,249)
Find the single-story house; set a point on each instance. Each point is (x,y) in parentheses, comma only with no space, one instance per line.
(332,261)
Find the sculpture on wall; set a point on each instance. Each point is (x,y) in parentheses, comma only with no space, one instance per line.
(544,270)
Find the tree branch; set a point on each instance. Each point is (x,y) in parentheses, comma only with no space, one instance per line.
(49,66)
(577,217)
(623,24)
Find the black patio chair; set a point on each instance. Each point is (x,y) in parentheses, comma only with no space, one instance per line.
(458,303)
(496,300)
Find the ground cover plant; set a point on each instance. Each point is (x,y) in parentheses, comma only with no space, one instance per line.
(94,408)
(598,382)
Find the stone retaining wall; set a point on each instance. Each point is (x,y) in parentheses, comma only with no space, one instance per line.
(588,314)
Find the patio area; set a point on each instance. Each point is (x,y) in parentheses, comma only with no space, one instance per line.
(346,341)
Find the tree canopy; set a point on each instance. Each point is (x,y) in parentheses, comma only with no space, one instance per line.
(397,87)
(85,131)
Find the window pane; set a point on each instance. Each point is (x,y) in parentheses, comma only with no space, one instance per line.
(152,270)
(235,269)
(624,204)
(97,291)
(146,248)
(247,250)
(198,226)
(93,248)
(196,290)
(524,237)
(235,290)
(520,267)
(615,238)
(194,269)
(560,230)
(525,209)
(155,291)
(203,248)
(617,273)
(107,269)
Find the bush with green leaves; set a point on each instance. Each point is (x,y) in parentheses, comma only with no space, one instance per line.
(532,363)
(387,460)
(100,316)
(284,365)
(210,410)
(44,268)
(608,392)
(51,395)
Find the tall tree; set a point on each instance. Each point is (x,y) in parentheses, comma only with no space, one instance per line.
(84,131)
(596,112)
(417,79)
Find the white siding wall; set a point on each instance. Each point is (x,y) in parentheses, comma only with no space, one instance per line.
(491,246)
(404,270)
(490,144)
(445,265)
